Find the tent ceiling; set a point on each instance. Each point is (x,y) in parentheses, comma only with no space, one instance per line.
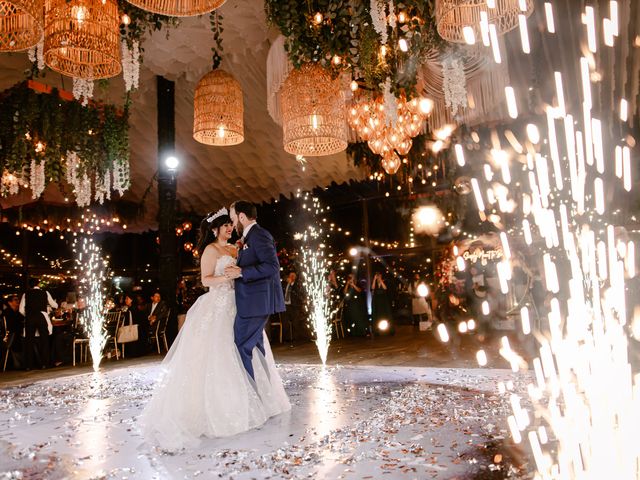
(258,169)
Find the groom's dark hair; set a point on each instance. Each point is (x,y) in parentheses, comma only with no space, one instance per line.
(248,208)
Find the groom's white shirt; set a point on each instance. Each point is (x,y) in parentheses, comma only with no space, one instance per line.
(245,232)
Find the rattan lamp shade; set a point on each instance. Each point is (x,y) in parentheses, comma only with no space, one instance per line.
(82,38)
(453,15)
(218,110)
(313,113)
(178,8)
(21,24)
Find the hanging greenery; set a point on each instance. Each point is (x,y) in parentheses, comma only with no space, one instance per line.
(341,35)
(43,129)
(215,19)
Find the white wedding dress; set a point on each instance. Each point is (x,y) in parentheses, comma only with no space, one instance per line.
(204,389)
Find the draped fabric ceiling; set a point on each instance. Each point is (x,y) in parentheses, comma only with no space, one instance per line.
(259,169)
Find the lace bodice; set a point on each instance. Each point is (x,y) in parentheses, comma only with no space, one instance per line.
(222,263)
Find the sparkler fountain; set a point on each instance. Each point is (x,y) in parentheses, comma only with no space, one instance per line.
(314,280)
(92,269)
(586,395)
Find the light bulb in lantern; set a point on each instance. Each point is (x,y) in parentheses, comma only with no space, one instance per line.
(413,128)
(314,121)
(317,18)
(365,133)
(336,60)
(39,147)
(383,51)
(425,105)
(394,139)
(404,147)
(375,145)
(437,146)
(353,113)
(126,20)
(404,46)
(391,163)
(221,131)
(79,12)
(354,85)
(402,17)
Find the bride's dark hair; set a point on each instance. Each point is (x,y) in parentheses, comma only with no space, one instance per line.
(209,230)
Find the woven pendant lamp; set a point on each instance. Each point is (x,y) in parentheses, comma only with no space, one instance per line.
(452,16)
(218,110)
(178,8)
(313,113)
(21,24)
(82,38)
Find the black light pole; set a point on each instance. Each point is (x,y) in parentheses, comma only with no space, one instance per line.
(167,186)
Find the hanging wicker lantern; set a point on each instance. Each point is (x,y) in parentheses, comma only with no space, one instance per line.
(313,113)
(82,38)
(21,24)
(452,16)
(178,8)
(218,110)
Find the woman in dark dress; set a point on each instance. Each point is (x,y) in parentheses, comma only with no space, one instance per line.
(380,305)
(355,309)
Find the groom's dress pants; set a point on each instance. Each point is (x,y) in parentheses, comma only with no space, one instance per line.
(248,335)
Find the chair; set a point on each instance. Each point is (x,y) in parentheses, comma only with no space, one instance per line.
(8,345)
(337,320)
(83,342)
(111,326)
(160,332)
(277,323)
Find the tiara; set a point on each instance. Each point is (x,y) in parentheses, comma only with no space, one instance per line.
(219,213)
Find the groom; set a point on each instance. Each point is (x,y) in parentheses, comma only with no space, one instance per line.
(257,281)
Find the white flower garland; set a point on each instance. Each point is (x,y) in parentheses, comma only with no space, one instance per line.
(36,54)
(455,84)
(130,65)
(10,184)
(37,179)
(392,15)
(103,187)
(379,19)
(121,177)
(83,191)
(71,170)
(82,90)
(390,105)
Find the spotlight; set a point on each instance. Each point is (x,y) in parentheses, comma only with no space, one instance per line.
(353,251)
(384,327)
(172,162)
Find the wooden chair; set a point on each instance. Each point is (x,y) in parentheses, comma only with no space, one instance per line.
(338,326)
(160,332)
(273,322)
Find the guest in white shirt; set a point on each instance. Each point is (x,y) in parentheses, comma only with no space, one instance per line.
(34,306)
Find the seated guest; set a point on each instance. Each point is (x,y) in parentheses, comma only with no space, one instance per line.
(294,313)
(12,326)
(158,309)
(132,315)
(34,306)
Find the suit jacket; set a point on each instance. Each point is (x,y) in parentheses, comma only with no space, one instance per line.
(258,291)
(159,312)
(297,295)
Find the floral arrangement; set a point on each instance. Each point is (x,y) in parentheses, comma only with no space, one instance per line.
(374,41)
(46,139)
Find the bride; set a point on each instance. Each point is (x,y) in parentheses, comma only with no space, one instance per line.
(204,389)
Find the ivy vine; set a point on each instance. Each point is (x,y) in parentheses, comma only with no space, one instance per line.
(215,19)
(321,30)
(99,134)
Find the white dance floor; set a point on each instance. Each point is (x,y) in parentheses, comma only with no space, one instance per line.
(346,422)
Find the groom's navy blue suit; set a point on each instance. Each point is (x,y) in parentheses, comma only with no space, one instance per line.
(258,292)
